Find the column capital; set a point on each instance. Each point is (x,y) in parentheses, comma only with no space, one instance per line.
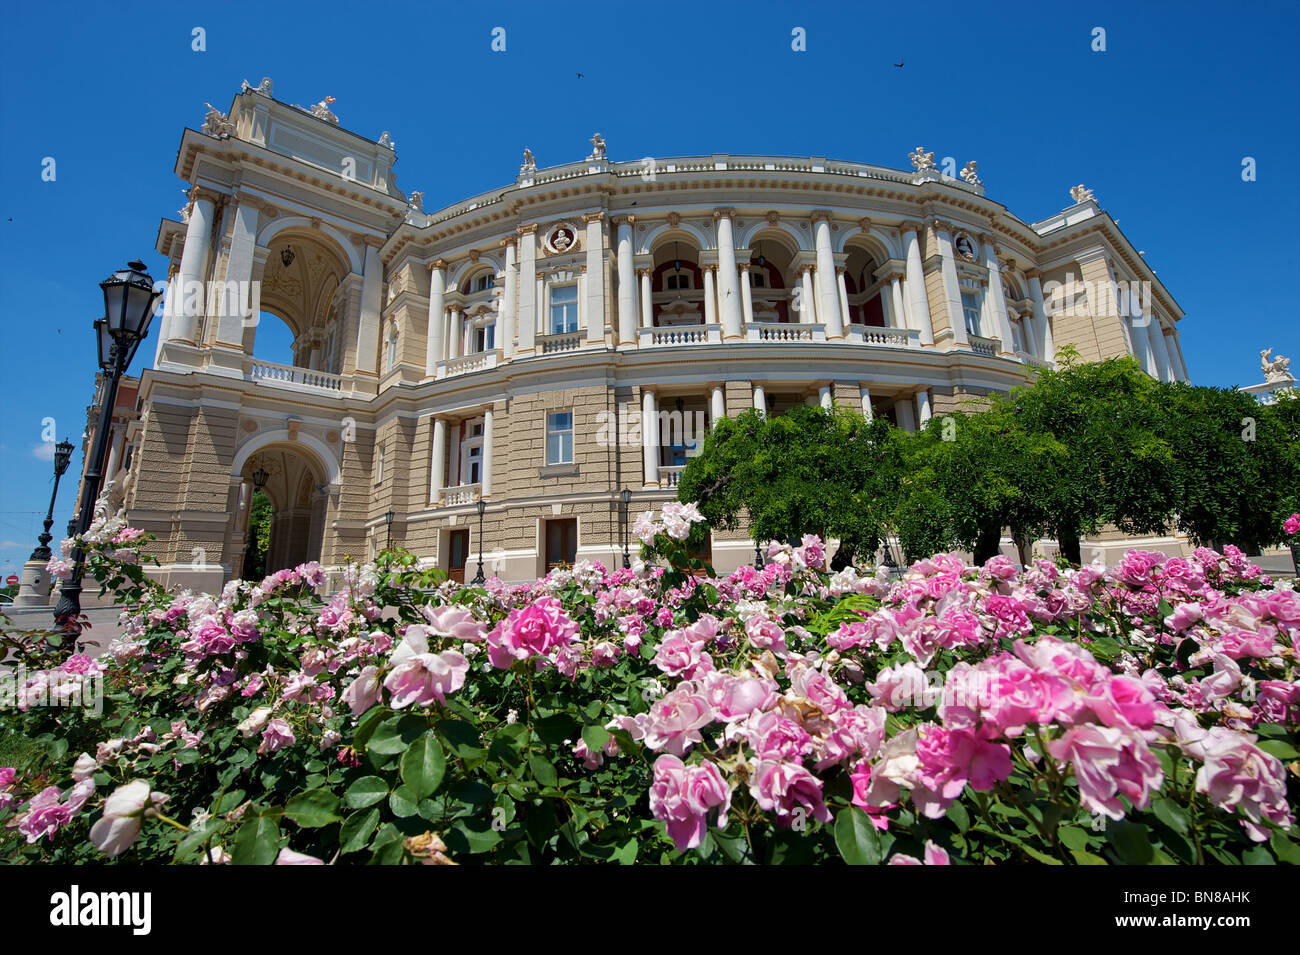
(438,263)
(724,212)
(818,214)
(507,242)
(203,192)
(624,219)
(743,266)
(910,225)
(806,268)
(1033,274)
(645,272)
(841,270)
(372,241)
(941,225)
(528,229)
(596,216)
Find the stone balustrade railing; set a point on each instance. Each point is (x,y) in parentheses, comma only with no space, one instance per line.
(889,337)
(562,342)
(291,376)
(669,336)
(985,346)
(468,363)
(784,332)
(460,495)
(1271,392)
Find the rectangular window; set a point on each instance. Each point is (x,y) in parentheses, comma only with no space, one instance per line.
(564,309)
(559,438)
(485,338)
(970,306)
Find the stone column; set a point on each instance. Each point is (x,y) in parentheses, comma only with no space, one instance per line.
(1043,343)
(486,484)
(728,282)
(509,301)
(647,305)
(710,296)
(922,408)
(864,394)
(717,405)
(843,287)
(828,299)
(438,478)
(595,301)
(1156,336)
(951,287)
(824,397)
(171,298)
(746,295)
(997,298)
(760,400)
(527,289)
(456,343)
(238,299)
(650,437)
(896,297)
(188,315)
(808,296)
(372,280)
(918,313)
(627,289)
(1176,354)
(437,289)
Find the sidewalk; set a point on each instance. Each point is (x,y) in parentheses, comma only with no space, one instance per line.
(95,639)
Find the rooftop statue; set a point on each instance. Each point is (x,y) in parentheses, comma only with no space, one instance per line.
(921,159)
(1275,369)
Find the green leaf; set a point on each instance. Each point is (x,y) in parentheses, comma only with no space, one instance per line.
(959,816)
(1257,855)
(423,766)
(366,791)
(1087,858)
(393,735)
(403,802)
(257,842)
(1074,838)
(462,837)
(857,839)
(1172,815)
(356,831)
(1130,841)
(595,737)
(313,809)
(1279,748)
(228,801)
(1286,850)
(543,771)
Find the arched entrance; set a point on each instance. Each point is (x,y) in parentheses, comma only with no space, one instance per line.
(297,487)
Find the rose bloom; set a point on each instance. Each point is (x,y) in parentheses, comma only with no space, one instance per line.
(674,721)
(934,855)
(1237,774)
(123,811)
(789,790)
(681,796)
(1109,762)
(276,736)
(533,631)
(1124,702)
(45,815)
(363,692)
(1291,525)
(421,677)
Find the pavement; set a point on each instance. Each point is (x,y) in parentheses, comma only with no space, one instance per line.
(94,639)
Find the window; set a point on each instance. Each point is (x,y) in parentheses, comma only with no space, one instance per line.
(970,306)
(679,280)
(379,466)
(564,309)
(559,438)
(471,453)
(757,279)
(484,282)
(485,337)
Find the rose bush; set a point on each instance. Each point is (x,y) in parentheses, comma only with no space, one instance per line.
(950,714)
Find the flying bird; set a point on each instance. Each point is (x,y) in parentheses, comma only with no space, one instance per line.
(579,76)
(899,63)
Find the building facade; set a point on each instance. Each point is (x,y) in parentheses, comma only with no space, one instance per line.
(512,347)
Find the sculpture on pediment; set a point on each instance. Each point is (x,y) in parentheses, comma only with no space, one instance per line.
(322,111)
(597,147)
(263,88)
(970,173)
(1080,193)
(1275,369)
(386,141)
(416,201)
(921,159)
(216,123)
(530,164)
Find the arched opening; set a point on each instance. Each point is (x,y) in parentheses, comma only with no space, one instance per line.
(677,281)
(284,522)
(864,291)
(301,298)
(772,277)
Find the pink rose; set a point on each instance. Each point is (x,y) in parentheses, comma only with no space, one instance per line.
(45,814)
(363,692)
(420,677)
(1291,526)
(1109,762)
(1238,775)
(788,790)
(674,721)
(276,735)
(535,630)
(934,855)
(681,796)
(1124,702)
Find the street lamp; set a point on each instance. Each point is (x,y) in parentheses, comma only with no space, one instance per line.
(626,494)
(388,519)
(480,506)
(62,455)
(758,556)
(260,477)
(129,297)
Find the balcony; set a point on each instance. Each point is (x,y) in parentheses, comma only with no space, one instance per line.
(1029,359)
(560,342)
(985,346)
(671,336)
(291,377)
(889,337)
(669,475)
(783,332)
(466,364)
(460,495)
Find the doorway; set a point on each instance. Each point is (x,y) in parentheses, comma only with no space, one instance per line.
(457,554)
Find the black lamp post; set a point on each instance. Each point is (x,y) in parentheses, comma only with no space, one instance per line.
(388,519)
(129,298)
(62,455)
(480,506)
(626,494)
(758,556)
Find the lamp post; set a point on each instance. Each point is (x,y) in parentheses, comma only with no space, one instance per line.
(626,494)
(129,298)
(480,506)
(62,455)
(388,519)
(758,556)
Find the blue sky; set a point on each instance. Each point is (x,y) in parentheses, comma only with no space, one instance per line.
(1158,125)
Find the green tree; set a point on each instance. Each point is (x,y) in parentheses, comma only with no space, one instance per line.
(808,471)
(1238,467)
(259,536)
